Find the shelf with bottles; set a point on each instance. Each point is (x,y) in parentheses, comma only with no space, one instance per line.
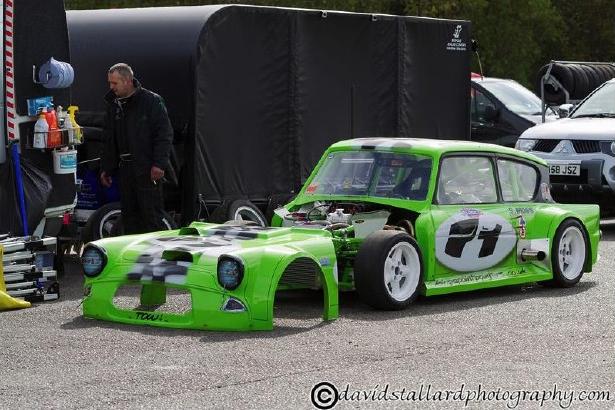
(63,137)
(55,129)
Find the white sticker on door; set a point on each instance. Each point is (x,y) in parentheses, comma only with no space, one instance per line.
(473,241)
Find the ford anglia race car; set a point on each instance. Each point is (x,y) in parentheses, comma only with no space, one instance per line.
(391,218)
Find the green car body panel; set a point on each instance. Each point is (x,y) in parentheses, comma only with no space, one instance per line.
(266,254)
(464,244)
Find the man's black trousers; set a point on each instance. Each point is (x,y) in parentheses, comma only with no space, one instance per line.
(141,199)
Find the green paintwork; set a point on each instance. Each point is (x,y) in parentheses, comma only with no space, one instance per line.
(265,258)
(268,253)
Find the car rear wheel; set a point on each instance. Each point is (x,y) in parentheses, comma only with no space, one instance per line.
(102,223)
(243,210)
(388,270)
(569,254)
(107,222)
(167,221)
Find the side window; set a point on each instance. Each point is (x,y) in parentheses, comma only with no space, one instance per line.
(466,180)
(517,180)
(478,106)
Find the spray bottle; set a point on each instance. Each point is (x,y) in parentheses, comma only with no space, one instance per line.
(41,129)
(55,138)
(64,124)
(77,131)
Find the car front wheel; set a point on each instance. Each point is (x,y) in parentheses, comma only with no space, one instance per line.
(388,270)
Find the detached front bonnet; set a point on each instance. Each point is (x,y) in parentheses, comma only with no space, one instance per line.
(188,260)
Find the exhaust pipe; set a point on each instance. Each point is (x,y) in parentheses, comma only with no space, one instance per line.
(531,255)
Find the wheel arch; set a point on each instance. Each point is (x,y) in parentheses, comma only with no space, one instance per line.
(282,258)
(589,248)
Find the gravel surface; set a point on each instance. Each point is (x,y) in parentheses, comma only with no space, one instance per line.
(554,344)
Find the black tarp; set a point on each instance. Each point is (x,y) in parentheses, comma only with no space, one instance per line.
(37,188)
(256,94)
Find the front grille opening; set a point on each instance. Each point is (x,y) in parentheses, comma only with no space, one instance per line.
(545,145)
(586,146)
(156,298)
(301,273)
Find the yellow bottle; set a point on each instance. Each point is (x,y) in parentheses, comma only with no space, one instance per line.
(77,131)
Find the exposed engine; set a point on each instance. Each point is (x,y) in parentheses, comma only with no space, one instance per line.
(365,218)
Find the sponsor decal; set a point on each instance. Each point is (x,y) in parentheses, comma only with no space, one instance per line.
(521,226)
(311,189)
(324,261)
(153,317)
(471,212)
(457,43)
(473,241)
(470,278)
(457,31)
(520,211)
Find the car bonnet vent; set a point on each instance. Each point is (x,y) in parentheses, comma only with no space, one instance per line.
(177,255)
(188,230)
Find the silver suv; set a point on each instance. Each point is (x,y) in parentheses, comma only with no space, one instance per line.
(580,150)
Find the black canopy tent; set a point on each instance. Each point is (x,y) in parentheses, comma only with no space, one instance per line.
(255,94)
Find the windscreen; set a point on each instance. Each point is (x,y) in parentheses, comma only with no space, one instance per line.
(515,97)
(599,104)
(373,173)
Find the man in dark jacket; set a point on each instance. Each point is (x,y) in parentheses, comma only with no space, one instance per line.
(138,138)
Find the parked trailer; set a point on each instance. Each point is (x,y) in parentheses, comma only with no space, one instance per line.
(255,94)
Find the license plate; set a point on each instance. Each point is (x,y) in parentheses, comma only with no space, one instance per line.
(565,169)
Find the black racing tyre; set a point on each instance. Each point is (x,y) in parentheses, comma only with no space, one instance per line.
(610,69)
(241,222)
(107,222)
(167,220)
(276,201)
(244,210)
(594,77)
(564,75)
(581,82)
(101,224)
(569,254)
(604,72)
(388,270)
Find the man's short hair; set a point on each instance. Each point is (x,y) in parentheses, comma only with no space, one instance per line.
(123,70)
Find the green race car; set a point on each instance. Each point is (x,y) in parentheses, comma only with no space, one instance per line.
(391,218)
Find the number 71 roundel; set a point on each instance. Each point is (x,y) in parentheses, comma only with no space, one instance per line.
(473,241)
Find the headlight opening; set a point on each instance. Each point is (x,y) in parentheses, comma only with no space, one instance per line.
(525,144)
(93,260)
(230,272)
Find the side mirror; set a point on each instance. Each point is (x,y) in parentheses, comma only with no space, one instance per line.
(491,113)
(564,110)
